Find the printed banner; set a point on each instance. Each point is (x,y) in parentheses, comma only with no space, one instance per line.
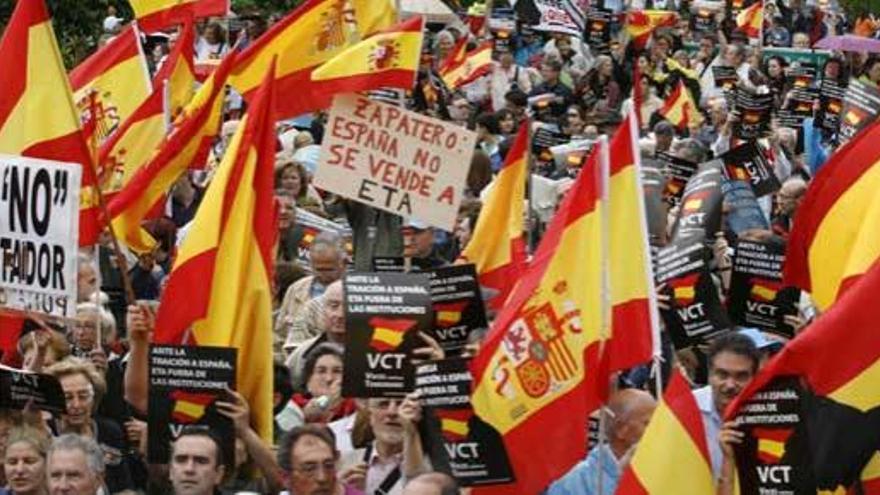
(395,160)
(860,107)
(748,163)
(743,211)
(559,16)
(384,313)
(774,454)
(599,30)
(185,383)
(696,314)
(475,450)
(725,77)
(545,137)
(20,389)
(831,97)
(754,113)
(458,306)
(39,234)
(313,225)
(757,297)
(678,172)
(699,217)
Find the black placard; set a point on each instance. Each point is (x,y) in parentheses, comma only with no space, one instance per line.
(458,306)
(475,450)
(653,185)
(704,21)
(831,97)
(678,172)
(599,29)
(19,389)
(754,112)
(384,312)
(545,137)
(397,264)
(748,163)
(743,211)
(185,384)
(860,107)
(696,314)
(699,217)
(774,455)
(725,77)
(757,296)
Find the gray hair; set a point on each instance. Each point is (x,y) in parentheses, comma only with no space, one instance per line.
(91,449)
(108,321)
(327,240)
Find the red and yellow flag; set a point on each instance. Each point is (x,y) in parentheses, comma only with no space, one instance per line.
(224,267)
(836,235)
(672,456)
(640,24)
(449,314)
(477,63)
(132,146)
(679,108)
(37,115)
(387,59)
(634,318)
(751,20)
(189,407)
(154,15)
(454,423)
(187,144)
(178,73)
(533,379)
(315,32)
(837,358)
(388,333)
(455,57)
(114,81)
(497,246)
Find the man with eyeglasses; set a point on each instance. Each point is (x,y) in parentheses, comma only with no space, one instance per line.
(308,455)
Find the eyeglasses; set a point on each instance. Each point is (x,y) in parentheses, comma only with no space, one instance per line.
(310,469)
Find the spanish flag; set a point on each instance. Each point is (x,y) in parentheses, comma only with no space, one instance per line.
(751,20)
(386,59)
(672,456)
(455,57)
(154,15)
(764,290)
(187,144)
(449,314)
(37,115)
(314,33)
(178,73)
(224,267)
(132,146)
(388,333)
(837,358)
(684,289)
(545,398)
(497,246)
(454,423)
(771,443)
(189,407)
(679,108)
(115,80)
(634,319)
(836,236)
(477,63)
(640,24)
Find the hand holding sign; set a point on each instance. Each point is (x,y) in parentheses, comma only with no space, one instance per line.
(237,409)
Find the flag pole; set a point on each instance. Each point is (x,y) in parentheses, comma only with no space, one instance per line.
(604,216)
(530,233)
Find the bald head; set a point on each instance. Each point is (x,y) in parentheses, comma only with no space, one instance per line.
(431,484)
(790,195)
(631,411)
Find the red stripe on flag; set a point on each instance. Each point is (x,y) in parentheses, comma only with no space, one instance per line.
(194,278)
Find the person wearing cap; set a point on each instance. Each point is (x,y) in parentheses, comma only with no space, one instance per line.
(733,361)
(418,244)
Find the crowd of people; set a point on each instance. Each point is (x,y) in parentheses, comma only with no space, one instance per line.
(329,444)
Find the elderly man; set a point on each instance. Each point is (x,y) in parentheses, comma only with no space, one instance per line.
(327,260)
(788,199)
(628,413)
(309,457)
(333,325)
(75,466)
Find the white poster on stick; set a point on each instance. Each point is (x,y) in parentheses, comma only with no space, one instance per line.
(39,230)
(396,160)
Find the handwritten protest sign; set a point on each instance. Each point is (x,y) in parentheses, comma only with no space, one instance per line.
(185,384)
(384,313)
(395,160)
(39,225)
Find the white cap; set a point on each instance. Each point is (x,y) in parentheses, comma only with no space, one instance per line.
(112,23)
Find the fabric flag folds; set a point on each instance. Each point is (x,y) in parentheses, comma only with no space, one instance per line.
(751,20)
(476,63)
(672,456)
(498,246)
(37,115)
(224,267)
(531,377)
(315,32)
(640,24)
(153,15)
(178,73)
(389,58)
(680,109)
(842,417)
(836,236)
(456,55)
(188,143)
(113,81)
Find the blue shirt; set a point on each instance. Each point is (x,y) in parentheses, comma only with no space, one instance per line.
(712,424)
(583,479)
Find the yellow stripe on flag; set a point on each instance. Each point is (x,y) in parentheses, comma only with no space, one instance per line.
(684,293)
(143,8)
(120,90)
(765,293)
(454,426)
(772,447)
(861,391)
(404,50)
(190,409)
(388,336)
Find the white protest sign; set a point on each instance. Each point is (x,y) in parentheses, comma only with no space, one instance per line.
(39,230)
(396,160)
